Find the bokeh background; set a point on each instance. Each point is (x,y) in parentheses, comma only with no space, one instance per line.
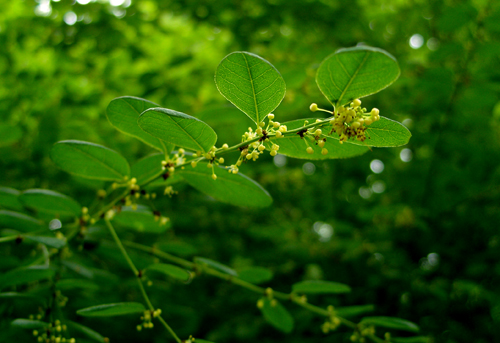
(413,230)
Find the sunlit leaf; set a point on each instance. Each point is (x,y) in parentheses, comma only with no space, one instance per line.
(216,265)
(320,287)
(110,310)
(294,146)
(391,323)
(178,128)
(123,113)
(170,270)
(356,72)
(255,275)
(50,202)
(90,160)
(235,189)
(29,324)
(251,83)
(146,168)
(385,133)
(19,221)
(25,275)
(277,315)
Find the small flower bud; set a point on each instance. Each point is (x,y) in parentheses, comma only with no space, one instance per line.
(375,112)
(262,124)
(313,107)
(279,134)
(356,103)
(193,164)
(225,146)
(221,160)
(318,132)
(259,131)
(270,116)
(273,153)
(276,124)
(181,151)
(324,151)
(321,143)
(262,147)
(310,150)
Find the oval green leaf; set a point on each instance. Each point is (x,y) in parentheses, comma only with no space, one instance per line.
(251,83)
(215,265)
(53,242)
(141,219)
(147,168)
(9,198)
(178,128)
(356,72)
(19,221)
(391,323)
(385,133)
(277,315)
(24,275)
(255,275)
(235,189)
(29,324)
(320,287)
(69,284)
(177,248)
(294,146)
(96,336)
(170,270)
(110,310)
(123,113)
(50,202)
(89,160)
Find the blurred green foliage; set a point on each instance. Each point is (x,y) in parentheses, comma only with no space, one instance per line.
(412,230)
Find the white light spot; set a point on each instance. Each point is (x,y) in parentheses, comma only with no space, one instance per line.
(70,18)
(279,160)
(377,166)
(406,155)
(43,9)
(55,224)
(83,2)
(416,41)
(372,25)
(378,186)
(379,257)
(324,231)
(365,192)
(118,12)
(433,259)
(285,30)
(127,3)
(432,44)
(308,168)
(116,2)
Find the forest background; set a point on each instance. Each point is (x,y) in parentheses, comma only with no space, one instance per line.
(412,230)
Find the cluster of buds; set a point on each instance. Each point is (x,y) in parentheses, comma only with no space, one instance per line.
(352,121)
(147,319)
(359,336)
(332,323)
(212,159)
(53,334)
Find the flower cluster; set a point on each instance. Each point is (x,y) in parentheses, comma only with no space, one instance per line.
(147,319)
(352,121)
(53,334)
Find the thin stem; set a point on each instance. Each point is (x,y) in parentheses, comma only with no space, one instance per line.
(141,286)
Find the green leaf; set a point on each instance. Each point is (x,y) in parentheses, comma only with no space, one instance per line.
(96,336)
(177,248)
(294,146)
(147,168)
(29,324)
(255,275)
(110,310)
(24,275)
(251,83)
(9,198)
(9,134)
(215,265)
(351,311)
(178,128)
(53,242)
(356,72)
(385,133)
(90,160)
(19,221)
(141,219)
(123,113)
(170,270)
(416,339)
(235,189)
(276,315)
(50,202)
(320,287)
(391,323)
